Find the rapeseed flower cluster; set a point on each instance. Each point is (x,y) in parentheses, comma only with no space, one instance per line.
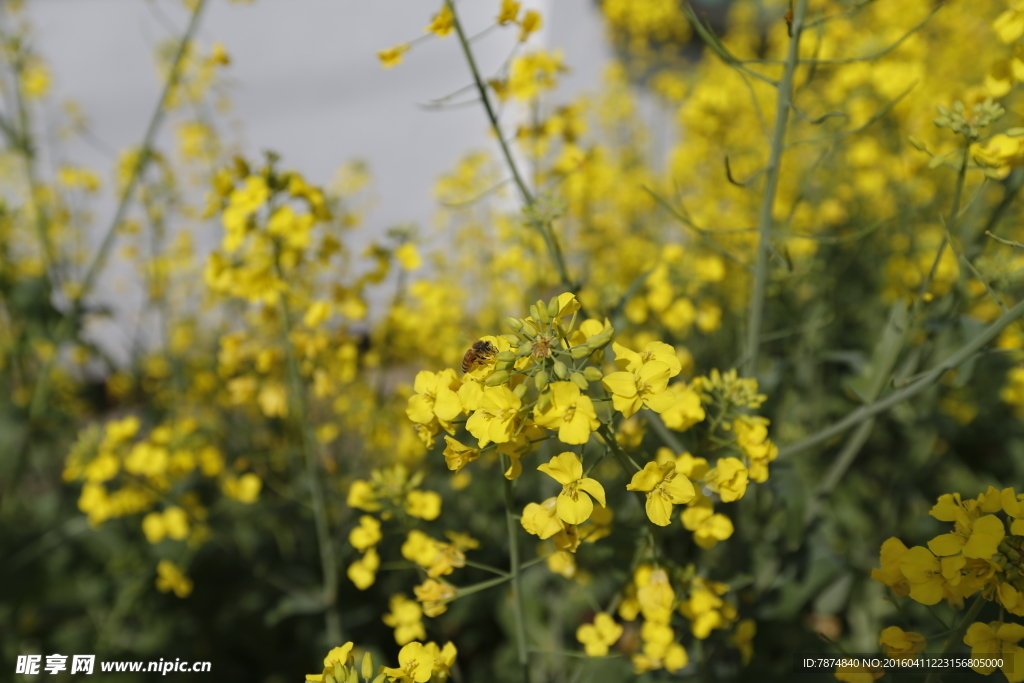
(980,556)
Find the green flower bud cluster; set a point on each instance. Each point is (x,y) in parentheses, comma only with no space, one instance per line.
(545,337)
(958,120)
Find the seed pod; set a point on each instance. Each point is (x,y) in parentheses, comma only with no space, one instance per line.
(497,379)
(580,352)
(520,390)
(540,380)
(514,324)
(593,374)
(561,371)
(579,380)
(505,356)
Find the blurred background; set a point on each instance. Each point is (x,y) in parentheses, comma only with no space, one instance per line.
(159,462)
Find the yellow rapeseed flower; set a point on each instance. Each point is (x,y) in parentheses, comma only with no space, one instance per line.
(997,640)
(531,23)
(570,412)
(728,479)
(406,619)
(171,578)
(645,387)
(600,635)
(392,56)
(415,664)
(366,535)
(924,574)
(572,506)
(363,572)
(896,641)
(442,23)
(664,487)
(509,11)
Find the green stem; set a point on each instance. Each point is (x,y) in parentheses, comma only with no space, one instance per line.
(518,612)
(785,102)
(545,230)
(487,568)
(965,353)
(145,153)
(857,440)
(27,150)
(482,586)
(328,562)
(958,634)
(622,456)
(491,114)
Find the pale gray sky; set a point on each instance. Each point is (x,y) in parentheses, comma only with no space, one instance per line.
(306,83)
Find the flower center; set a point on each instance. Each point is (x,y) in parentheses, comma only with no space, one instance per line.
(570,490)
(569,413)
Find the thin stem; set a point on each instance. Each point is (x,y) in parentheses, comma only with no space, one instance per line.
(771,188)
(483,585)
(486,568)
(962,355)
(957,635)
(328,562)
(545,229)
(23,143)
(518,612)
(491,115)
(145,153)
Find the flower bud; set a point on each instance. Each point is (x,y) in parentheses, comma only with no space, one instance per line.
(524,350)
(514,324)
(379,679)
(601,339)
(561,371)
(329,678)
(553,308)
(534,312)
(353,677)
(340,673)
(512,339)
(520,390)
(506,356)
(544,401)
(579,380)
(367,666)
(498,378)
(593,374)
(542,311)
(580,352)
(540,380)
(530,328)
(504,365)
